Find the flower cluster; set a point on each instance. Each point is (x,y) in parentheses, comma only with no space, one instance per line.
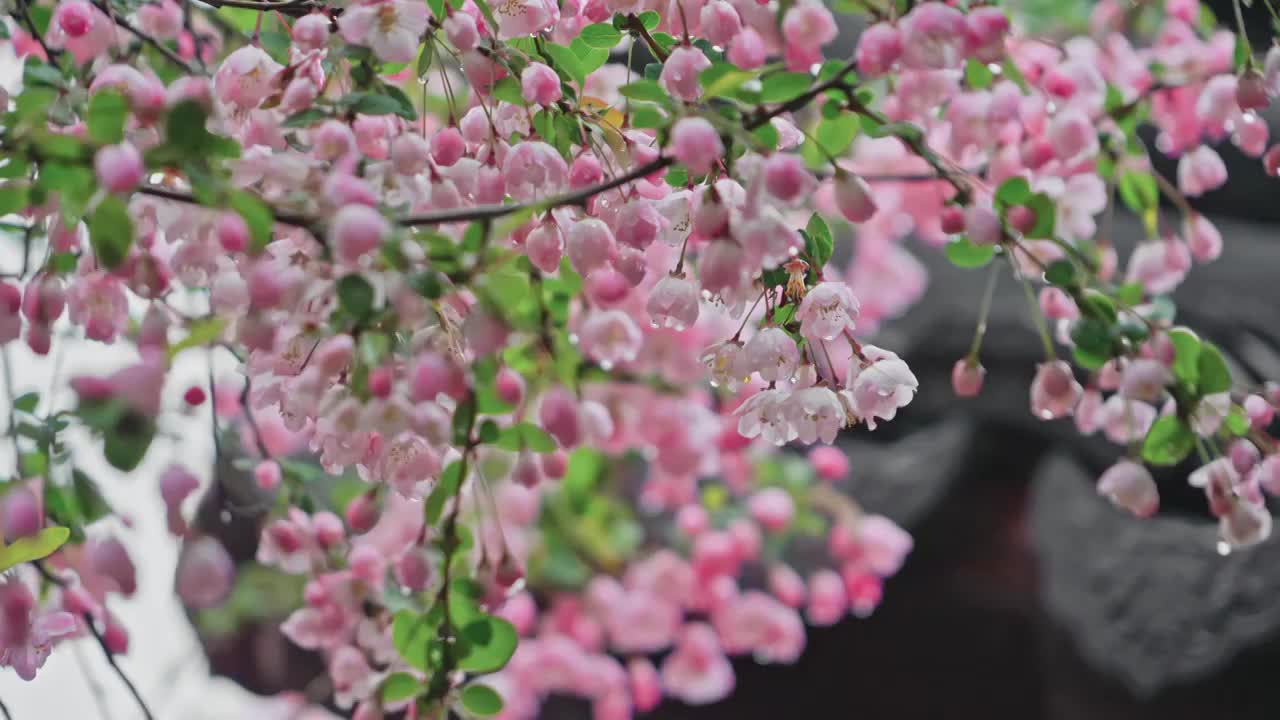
(540,313)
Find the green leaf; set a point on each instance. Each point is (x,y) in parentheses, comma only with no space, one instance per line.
(372,104)
(106,117)
(1186,355)
(426,57)
(535,438)
(437,10)
(257,216)
(508,90)
(567,61)
(834,135)
(305,119)
(91,505)
(1092,336)
(1130,294)
(1139,191)
(111,231)
(646,90)
(1094,304)
(488,431)
(185,128)
(1061,273)
(590,59)
(722,79)
(37,547)
(450,480)
(820,245)
(201,333)
(27,402)
(965,254)
(648,117)
(1046,216)
(781,87)
(767,135)
(400,686)
(14,197)
(650,19)
(977,75)
(1168,442)
(411,634)
(464,417)
(1014,191)
(481,700)
(490,643)
(603,36)
(125,444)
(1215,376)
(1009,69)
(356,296)
(276,44)
(1237,421)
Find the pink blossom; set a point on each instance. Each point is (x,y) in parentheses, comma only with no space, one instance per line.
(534,169)
(967,376)
(756,623)
(853,197)
(1202,237)
(879,47)
(517,18)
(808,24)
(205,573)
(610,337)
(772,353)
(933,37)
(1054,391)
(246,77)
(827,599)
(1160,265)
(539,84)
(696,143)
(827,311)
(747,49)
(311,32)
(460,29)
(1129,485)
(391,28)
(27,635)
(816,413)
(639,622)
(1200,171)
(773,508)
(81,29)
(696,671)
(673,303)
(830,464)
(680,73)
(356,231)
(161,19)
(883,384)
(118,167)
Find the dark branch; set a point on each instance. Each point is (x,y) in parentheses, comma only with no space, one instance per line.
(102,643)
(168,54)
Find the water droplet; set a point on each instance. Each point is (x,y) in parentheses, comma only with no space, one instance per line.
(1223,549)
(573,338)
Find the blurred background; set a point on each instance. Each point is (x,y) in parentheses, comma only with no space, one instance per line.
(1026,596)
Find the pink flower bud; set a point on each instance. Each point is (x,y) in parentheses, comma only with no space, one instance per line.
(773,508)
(447,147)
(205,574)
(22,516)
(545,245)
(558,415)
(696,143)
(460,29)
(328,529)
(680,73)
(367,564)
(673,303)
(311,32)
(1054,391)
(933,37)
(232,232)
(1259,411)
(879,47)
(585,171)
(362,512)
(267,475)
(644,683)
(829,463)
(434,375)
(1202,237)
(747,49)
(356,231)
(107,557)
(162,20)
(853,197)
(1201,171)
(1271,161)
(720,22)
(982,225)
(539,85)
(808,24)
(412,570)
(509,386)
(607,287)
(1022,218)
(1251,91)
(116,638)
(692,519)
(966,377)
(119,167)
(74,17)
(787,585)
(1129,485)
(786,178)
(952,220)
(985,30)
(410,154)
(332,140)
(1056,304)
(828,601)
(590,244)
(555,464)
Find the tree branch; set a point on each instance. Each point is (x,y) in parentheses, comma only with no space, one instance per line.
(146,39)
(102,643)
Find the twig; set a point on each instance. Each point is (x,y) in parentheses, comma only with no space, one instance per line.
(102,643)
(5,711)
(49,53)
(636,25)
(293,8)
(168,54)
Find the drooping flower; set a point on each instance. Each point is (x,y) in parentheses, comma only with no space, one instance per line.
(880,386)
(1054,391)
(1129,485)
(827,311)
